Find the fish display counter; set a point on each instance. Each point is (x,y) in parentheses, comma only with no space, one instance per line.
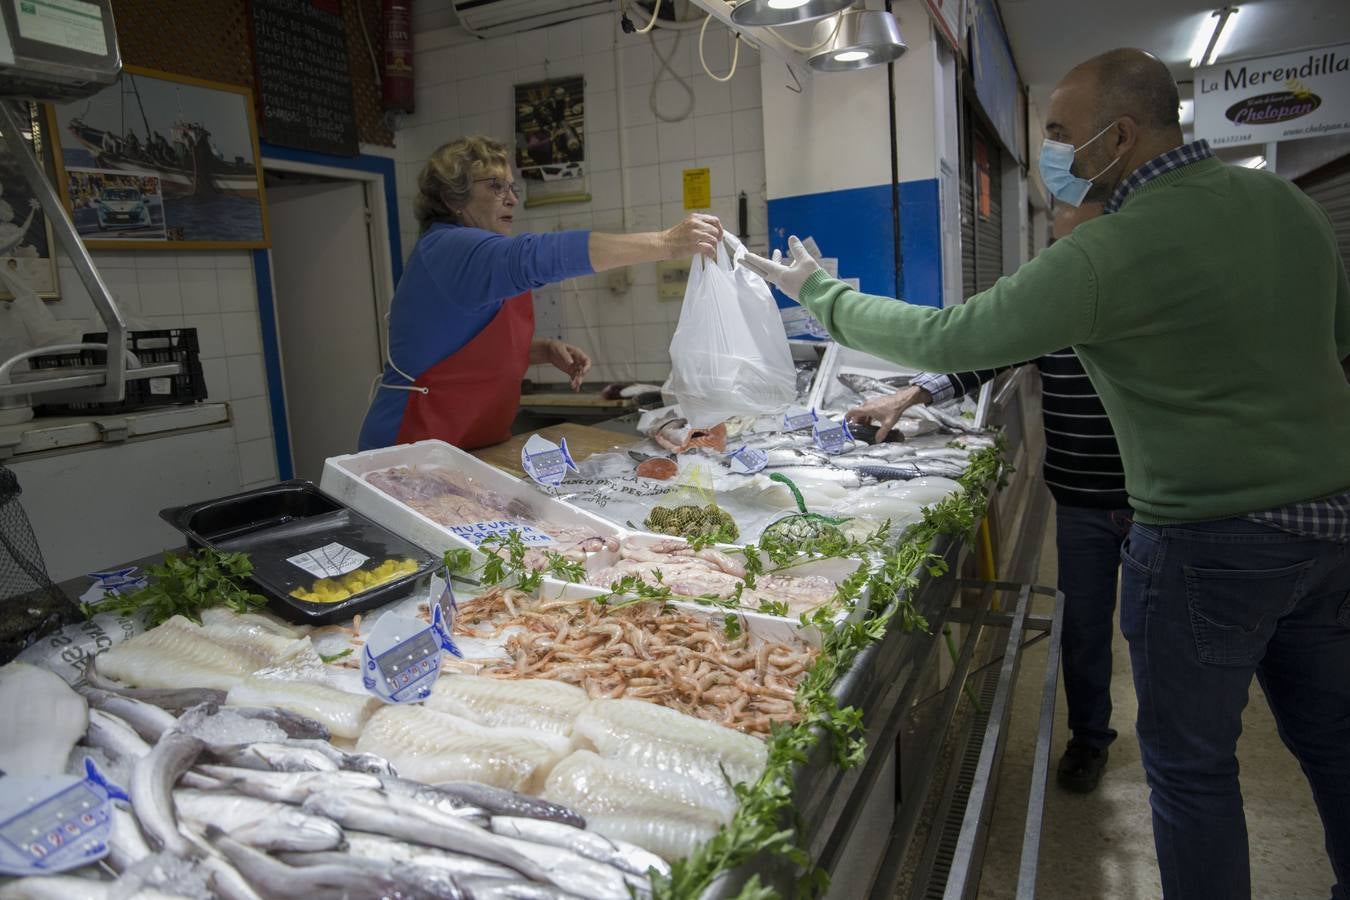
(588,697)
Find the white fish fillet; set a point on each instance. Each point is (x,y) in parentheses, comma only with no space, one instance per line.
(652,736)
(43,718)
(668,838)
(220,615)
(430,746)
(175,654)
(599,788)
(529,703)
(344,714)
(179,654)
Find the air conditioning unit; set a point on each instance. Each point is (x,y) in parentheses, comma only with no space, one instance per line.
(491,18)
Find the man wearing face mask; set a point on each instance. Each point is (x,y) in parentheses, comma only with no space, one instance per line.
(1210,308)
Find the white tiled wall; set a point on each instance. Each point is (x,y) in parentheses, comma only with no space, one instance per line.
(214,292)
(465,86)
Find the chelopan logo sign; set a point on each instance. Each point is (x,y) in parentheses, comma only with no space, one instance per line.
(1267,109)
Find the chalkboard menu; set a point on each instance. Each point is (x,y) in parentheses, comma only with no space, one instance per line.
(303,80)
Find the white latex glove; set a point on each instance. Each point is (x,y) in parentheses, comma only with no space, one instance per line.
(787,278)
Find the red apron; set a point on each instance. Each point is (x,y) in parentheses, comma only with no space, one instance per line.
(473,394)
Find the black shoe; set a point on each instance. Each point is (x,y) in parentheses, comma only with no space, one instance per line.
(1080,768)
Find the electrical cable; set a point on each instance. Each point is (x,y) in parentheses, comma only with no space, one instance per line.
(656,13)
(735,54)
(374,63)
(679,79)
(899,258)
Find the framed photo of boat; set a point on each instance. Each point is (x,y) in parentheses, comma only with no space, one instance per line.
(26,242)
(161,160)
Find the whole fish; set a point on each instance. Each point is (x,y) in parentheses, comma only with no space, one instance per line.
(262,824)
(274,757)
(619,854)
(409,820)
(171,700)
(150,721)
(281,787)
(785,457)
(331,881)
(118,740)
(917,469)
(369,763)
(946,420)
(382,847)
(426,882)
(427,795)
(485,889)
(868,387)
(502,802)
(151,790)
(295,725)
(227,883)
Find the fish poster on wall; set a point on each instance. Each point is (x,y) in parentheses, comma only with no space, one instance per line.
(159,160)
(551,140)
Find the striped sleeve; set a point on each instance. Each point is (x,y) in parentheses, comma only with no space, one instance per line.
(957,384)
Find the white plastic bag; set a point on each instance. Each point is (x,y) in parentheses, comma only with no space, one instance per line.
(729,355)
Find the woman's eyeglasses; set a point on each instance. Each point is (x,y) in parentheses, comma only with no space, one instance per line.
(499,187)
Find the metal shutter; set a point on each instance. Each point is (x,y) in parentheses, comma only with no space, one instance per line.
(989,232)
(1331,188)
(967,219)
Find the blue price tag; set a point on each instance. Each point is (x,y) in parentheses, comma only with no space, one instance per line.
(401,659)
(52,823)
(832,437)
(796,419)
(748,460)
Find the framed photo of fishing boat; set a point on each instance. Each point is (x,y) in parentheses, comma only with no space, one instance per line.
(26,242)
(161,160)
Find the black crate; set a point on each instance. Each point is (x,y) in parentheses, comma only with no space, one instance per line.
(166,345)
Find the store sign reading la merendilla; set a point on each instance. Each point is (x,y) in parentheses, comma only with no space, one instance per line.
(1274,98)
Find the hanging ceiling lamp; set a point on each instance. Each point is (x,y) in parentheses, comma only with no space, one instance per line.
(865,37)
(784,12)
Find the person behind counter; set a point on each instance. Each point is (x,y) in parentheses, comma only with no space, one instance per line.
(1211,310)
(461,325)
(1092,516)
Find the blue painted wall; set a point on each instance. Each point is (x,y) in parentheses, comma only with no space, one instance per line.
(262,272)
(855,226)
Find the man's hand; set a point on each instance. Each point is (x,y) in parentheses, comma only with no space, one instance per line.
(571,361)
(788,278)
(886,411)
(698,234)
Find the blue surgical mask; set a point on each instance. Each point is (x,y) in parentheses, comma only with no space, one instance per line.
(1056,166)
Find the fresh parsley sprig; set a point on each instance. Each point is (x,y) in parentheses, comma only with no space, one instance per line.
(185,585)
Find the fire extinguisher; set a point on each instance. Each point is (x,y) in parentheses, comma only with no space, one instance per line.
(397,77)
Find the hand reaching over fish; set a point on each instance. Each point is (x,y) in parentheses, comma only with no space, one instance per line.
(886,410)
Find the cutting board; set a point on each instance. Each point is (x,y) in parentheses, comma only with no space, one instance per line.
(582,441)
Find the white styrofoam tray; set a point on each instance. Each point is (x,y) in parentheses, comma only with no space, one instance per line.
(344,477)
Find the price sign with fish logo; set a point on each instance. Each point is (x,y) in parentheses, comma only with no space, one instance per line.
(52,823)
(748,460)
(797,418)
(545,462)
(401,659)
(832,437)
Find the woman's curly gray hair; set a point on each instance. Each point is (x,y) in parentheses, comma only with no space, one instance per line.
(445,181)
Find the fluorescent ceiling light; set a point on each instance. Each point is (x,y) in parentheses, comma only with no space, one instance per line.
(1212,37)
(863,38)
(749,13)
(1186,114)
(1253,162)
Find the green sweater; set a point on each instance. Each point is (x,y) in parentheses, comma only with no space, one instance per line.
(1211,313)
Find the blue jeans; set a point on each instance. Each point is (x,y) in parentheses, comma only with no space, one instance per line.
(1089,541)
(1205,606)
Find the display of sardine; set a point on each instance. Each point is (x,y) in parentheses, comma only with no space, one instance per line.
(429,795)
(42,717)
(382,847)
(118,740)
(151,790)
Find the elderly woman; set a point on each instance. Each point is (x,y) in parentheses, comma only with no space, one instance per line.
(461,326)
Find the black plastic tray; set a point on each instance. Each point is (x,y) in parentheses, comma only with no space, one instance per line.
(281,521)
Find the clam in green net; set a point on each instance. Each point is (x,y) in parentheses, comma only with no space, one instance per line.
(802,526)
